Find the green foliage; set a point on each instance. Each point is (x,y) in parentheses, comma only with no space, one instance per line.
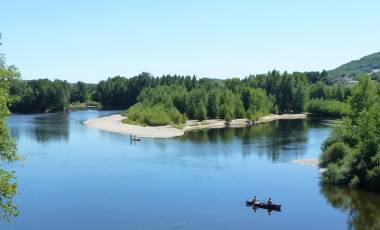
(8,190)
(314,77)
(155,115)
(169,95)
(365,94)
(256,103)
(334,153)
(328,108)
(338,92)
(201,99)
(200,112)
(228,118)
(121,92)
(252,97)
(159,106)
(289,90)
(195,103)
(82,92)
(41,95)
(7,145)
(352,152)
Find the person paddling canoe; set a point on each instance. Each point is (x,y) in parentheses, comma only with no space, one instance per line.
(255,200)
(269,201)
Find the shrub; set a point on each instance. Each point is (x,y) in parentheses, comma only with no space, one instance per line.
(334,153)
(329,108)
(228,118)
(156,115)
(336,174)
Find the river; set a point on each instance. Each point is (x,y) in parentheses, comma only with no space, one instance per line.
(75,177)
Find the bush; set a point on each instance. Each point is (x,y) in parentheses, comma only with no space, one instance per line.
(329,108)
(336,174)
(228,118)
(334,153)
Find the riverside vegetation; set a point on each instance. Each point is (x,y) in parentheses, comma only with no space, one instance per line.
(8,187)
(352,152)
(171,99)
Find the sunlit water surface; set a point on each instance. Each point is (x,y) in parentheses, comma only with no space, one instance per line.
(76,177)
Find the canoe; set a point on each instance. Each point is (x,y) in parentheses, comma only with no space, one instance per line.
(276,207)
(135,139)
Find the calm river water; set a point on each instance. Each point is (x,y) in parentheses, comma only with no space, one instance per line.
(76,177)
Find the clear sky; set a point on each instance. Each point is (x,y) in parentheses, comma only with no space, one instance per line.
(92,40)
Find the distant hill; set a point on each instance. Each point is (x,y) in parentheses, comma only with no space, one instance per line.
(366,65)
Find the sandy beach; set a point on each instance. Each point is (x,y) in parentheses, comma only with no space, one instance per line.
(113,124)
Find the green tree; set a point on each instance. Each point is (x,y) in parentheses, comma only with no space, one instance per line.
(8,188)
(365,94)
(352,152)
(228,118)
(200,112)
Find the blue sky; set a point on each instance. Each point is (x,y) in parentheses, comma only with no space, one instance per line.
(93,40)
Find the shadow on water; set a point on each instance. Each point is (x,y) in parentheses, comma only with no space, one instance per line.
(363,208)
(42,128)
(278,140)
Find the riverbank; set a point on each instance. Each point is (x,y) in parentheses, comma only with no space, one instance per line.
(114,124)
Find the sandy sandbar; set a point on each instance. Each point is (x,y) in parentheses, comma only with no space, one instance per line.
(311,162)
(113,124)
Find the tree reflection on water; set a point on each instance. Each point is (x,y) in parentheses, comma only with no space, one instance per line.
(42,127)
(363,208)
(278,140)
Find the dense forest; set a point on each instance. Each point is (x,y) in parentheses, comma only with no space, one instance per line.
(43,95)
(351,154)
(173,99)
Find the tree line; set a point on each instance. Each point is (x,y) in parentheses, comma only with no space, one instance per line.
(44,95)
(171,98)
(201,98)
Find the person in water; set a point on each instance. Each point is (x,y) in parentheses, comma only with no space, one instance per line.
(269,201)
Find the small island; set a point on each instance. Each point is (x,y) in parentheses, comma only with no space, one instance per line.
(114,123)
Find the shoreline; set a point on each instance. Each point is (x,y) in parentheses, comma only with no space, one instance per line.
(313,162)
(310,162)
(113,124)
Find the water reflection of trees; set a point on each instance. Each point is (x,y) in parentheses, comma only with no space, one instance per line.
(43,128)
(278,140)
(363,208)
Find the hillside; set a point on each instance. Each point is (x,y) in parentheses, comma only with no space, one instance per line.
(367,65)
